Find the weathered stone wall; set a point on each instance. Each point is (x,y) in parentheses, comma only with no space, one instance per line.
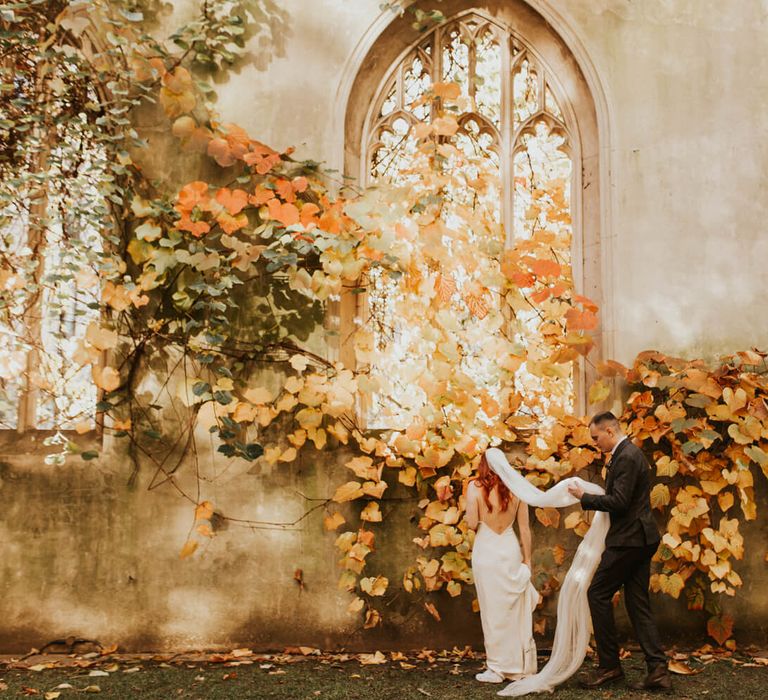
(86,554)
(683,126)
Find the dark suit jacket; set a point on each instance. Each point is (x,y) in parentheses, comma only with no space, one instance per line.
(627,499)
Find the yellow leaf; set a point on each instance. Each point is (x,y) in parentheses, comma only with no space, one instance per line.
(332,522)
(725,501)
(659,496)
(348,492)
(258,395)
(100,338)
(375,489)
(356,605)
(288,456)
(599,391)
(309,418)
(106,378)
(372,659)
(666,466)
(318,437)
(204,511)
(671,585)
(572,520)
(453,588)
(371,513)
(407,476)
(374,586)
(188,549)
(244,412)
(363,468)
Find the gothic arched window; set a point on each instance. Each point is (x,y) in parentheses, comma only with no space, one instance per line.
(518,113)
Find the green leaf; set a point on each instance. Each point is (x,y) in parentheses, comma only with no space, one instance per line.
(253,451)
(200,388)
(222,397)
(89,455)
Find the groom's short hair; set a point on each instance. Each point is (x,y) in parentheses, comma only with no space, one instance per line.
(600,420)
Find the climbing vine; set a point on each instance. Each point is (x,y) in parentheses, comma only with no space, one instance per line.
(215,289)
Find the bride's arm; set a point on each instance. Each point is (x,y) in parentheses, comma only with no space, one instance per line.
(524,526)
(472,516)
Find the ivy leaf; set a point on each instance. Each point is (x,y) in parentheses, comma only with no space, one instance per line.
(720,628)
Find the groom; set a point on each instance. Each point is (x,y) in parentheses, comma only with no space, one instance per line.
(631,541)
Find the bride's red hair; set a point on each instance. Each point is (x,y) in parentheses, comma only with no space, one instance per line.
(488,480)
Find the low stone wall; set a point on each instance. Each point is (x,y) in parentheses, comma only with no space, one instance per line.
(84,553)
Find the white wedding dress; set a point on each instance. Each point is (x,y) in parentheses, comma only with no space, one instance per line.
(573,620)
(507,600)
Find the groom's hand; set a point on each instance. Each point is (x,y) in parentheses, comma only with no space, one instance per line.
(576,491)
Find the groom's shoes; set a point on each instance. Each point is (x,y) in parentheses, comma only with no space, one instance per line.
(601,676)
(658,678)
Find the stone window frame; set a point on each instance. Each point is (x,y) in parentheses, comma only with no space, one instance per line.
(581,98)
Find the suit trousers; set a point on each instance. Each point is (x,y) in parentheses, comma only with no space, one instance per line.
(629,567)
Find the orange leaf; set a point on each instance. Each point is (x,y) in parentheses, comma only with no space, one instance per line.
(307,214)
(549,517)
(287,214)
(204,511)
(432,610)
(219,150)
(580,320)
(545,268)
(188,549)
(196,228)
(285,190)
(448,91)
(261,196)
(230,224)
(232,200)
(194,194)
(720,628)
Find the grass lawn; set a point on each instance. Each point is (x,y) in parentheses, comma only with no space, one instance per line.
(328,678)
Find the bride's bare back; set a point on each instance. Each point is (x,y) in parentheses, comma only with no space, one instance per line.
(497,519)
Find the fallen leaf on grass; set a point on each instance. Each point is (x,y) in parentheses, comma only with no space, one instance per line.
(29,691)
(92,689)
(40,667)
(761,660)
(98,673)
(277,672)
(375,658)
(237,653)
(407,666)
(52,695)
(682,669)
(135,669)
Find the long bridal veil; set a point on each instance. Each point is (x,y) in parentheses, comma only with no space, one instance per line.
(573,621)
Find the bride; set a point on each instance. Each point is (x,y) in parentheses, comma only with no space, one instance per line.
(573,619)
(502,574)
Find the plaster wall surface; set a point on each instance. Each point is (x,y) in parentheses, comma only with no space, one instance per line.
(683,147)
(683,133)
